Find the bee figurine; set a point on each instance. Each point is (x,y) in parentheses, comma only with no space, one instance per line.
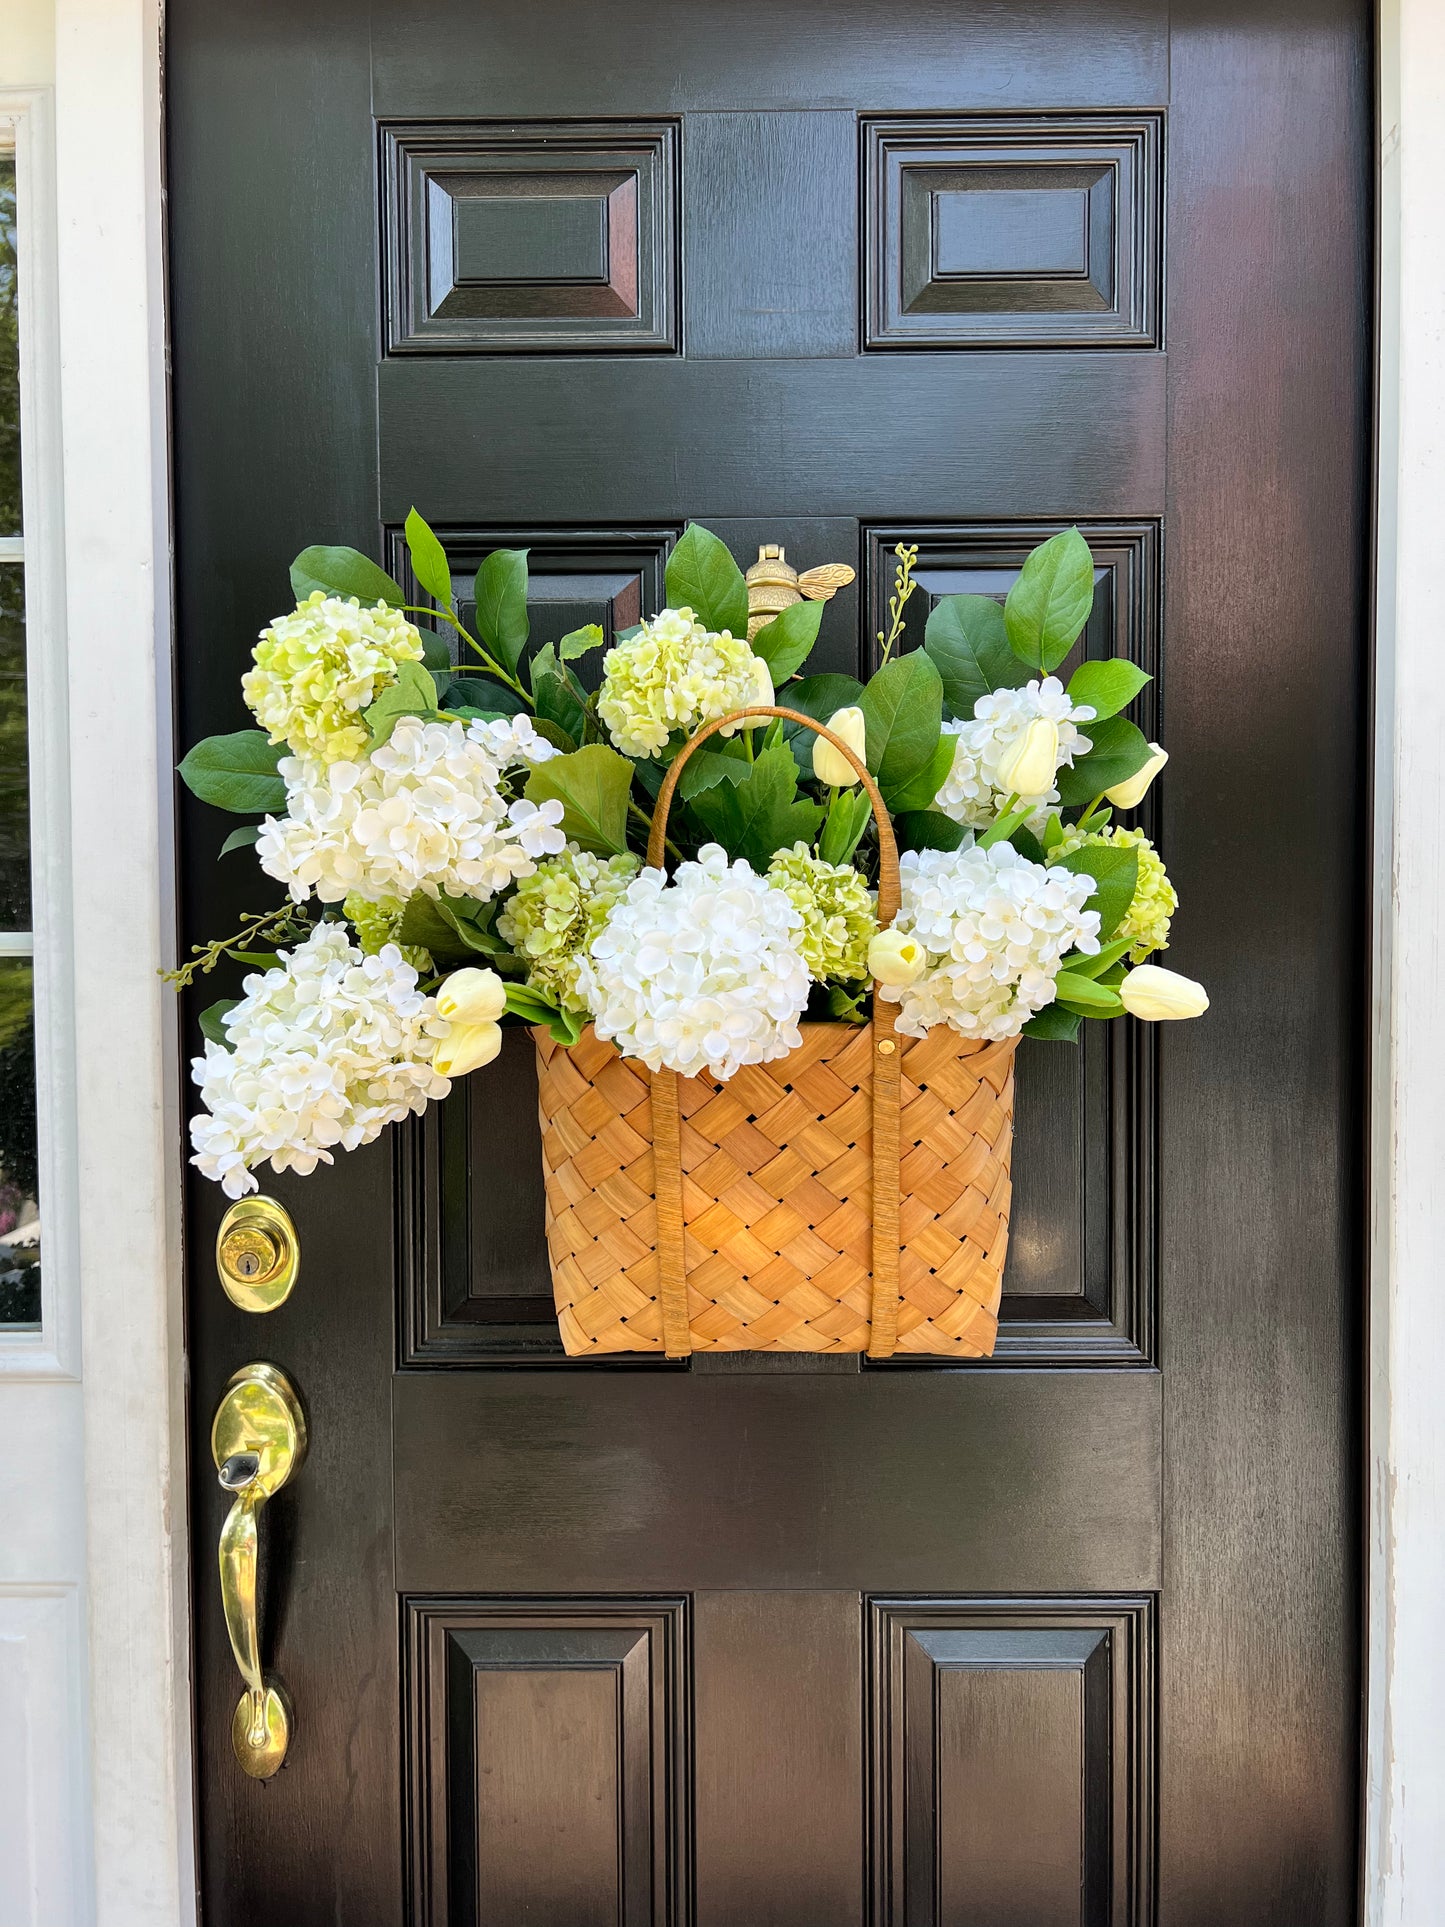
(774,586)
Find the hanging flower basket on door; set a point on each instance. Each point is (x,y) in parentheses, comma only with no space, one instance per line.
(775,1058)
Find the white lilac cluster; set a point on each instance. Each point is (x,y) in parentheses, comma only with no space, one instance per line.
(430,810)
(326,1049)
(675,675)
(702,973)
(995,927)
(319,667)
(973,792)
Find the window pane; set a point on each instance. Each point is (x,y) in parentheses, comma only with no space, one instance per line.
(14,760)
(9,356)
(19,1181)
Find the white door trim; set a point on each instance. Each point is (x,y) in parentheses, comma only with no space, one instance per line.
(1405,1742)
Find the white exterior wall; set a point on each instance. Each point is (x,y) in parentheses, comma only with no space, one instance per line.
(95,1787)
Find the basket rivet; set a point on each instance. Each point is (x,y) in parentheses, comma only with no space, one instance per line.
(886,1047)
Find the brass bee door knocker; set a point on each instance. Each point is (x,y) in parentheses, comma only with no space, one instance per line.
(774,586)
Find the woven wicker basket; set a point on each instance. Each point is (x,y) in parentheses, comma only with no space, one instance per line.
(853,1196)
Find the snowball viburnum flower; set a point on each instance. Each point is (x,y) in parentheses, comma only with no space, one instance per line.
(319,667)
(702,973)
(839,912)
(673,675)
(326,1049)
(1146,921)
(995,928)
(430,810)
(975,789)
(552,916)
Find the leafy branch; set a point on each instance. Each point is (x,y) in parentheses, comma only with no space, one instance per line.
(271,927)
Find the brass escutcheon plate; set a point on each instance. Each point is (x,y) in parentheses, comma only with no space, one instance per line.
(261,1413)
(260,1746)
(258,1256)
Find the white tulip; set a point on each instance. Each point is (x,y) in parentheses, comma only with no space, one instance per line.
(1156,994)
(897,959)
(1027,766)
(472,997)
(1129,794)
(762,695)
(830,766)
(467,1048)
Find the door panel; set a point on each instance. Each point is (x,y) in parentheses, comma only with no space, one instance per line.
(1070,1636)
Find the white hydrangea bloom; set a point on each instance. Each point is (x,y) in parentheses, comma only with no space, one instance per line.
(995,927)
(700,973)
(430,810)
(972,793)
(326,1049)
(674,675)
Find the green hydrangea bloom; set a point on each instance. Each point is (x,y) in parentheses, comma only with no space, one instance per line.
(838,909)
(1154,903)
(553,915)
(674,674)
(378,924)
(319,667)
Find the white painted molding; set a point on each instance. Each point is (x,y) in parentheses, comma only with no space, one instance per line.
(108,133)
(1405,1751)
(43,1849)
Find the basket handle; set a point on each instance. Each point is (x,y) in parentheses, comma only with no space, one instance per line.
(887,1080)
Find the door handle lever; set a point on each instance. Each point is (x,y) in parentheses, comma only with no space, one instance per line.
(258,1440)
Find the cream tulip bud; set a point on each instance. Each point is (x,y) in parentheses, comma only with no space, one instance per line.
(466,1048)
(472,997)
(896,959)
(1129,794)
(761,695)
(1027,766)
(1156,994)
(829,765)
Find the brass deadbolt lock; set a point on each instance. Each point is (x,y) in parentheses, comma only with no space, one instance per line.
(257,1254)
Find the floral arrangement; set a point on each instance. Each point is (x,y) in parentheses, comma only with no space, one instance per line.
(461,838)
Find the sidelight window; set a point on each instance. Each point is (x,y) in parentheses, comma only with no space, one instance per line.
(19,1159)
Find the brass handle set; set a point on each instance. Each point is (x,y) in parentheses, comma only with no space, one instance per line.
(258,1441)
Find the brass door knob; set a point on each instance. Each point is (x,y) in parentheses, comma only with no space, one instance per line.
(257,1254)
(258,1440)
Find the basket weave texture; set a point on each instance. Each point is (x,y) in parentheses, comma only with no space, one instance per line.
(777,1196)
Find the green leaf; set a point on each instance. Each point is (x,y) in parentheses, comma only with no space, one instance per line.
(706,768)
(1119,749)
(343,572)
(535,1008)
(1083,994)
(786,642)
(580,642)
(1050,602)
(1027,844)
(592,784)
(241,839)
(849,815)
(1002,828)
(454,929)
(1082,966)
(928,830)
(1057,1025)
(428,560)
(1053,831)
(1108,686)
(501,598)
(847,1005)
(903,708)
(211,1025)
(763,813)
(702,576)
(435,655)
(412,694)
(237,772)
(918,793)
(482,694)
(559,697)
(1116,875)
(968,640)
(819,697)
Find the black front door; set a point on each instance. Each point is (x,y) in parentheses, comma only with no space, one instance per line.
(1067,1637)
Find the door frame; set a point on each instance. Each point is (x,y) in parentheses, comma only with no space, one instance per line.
(132,1801)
